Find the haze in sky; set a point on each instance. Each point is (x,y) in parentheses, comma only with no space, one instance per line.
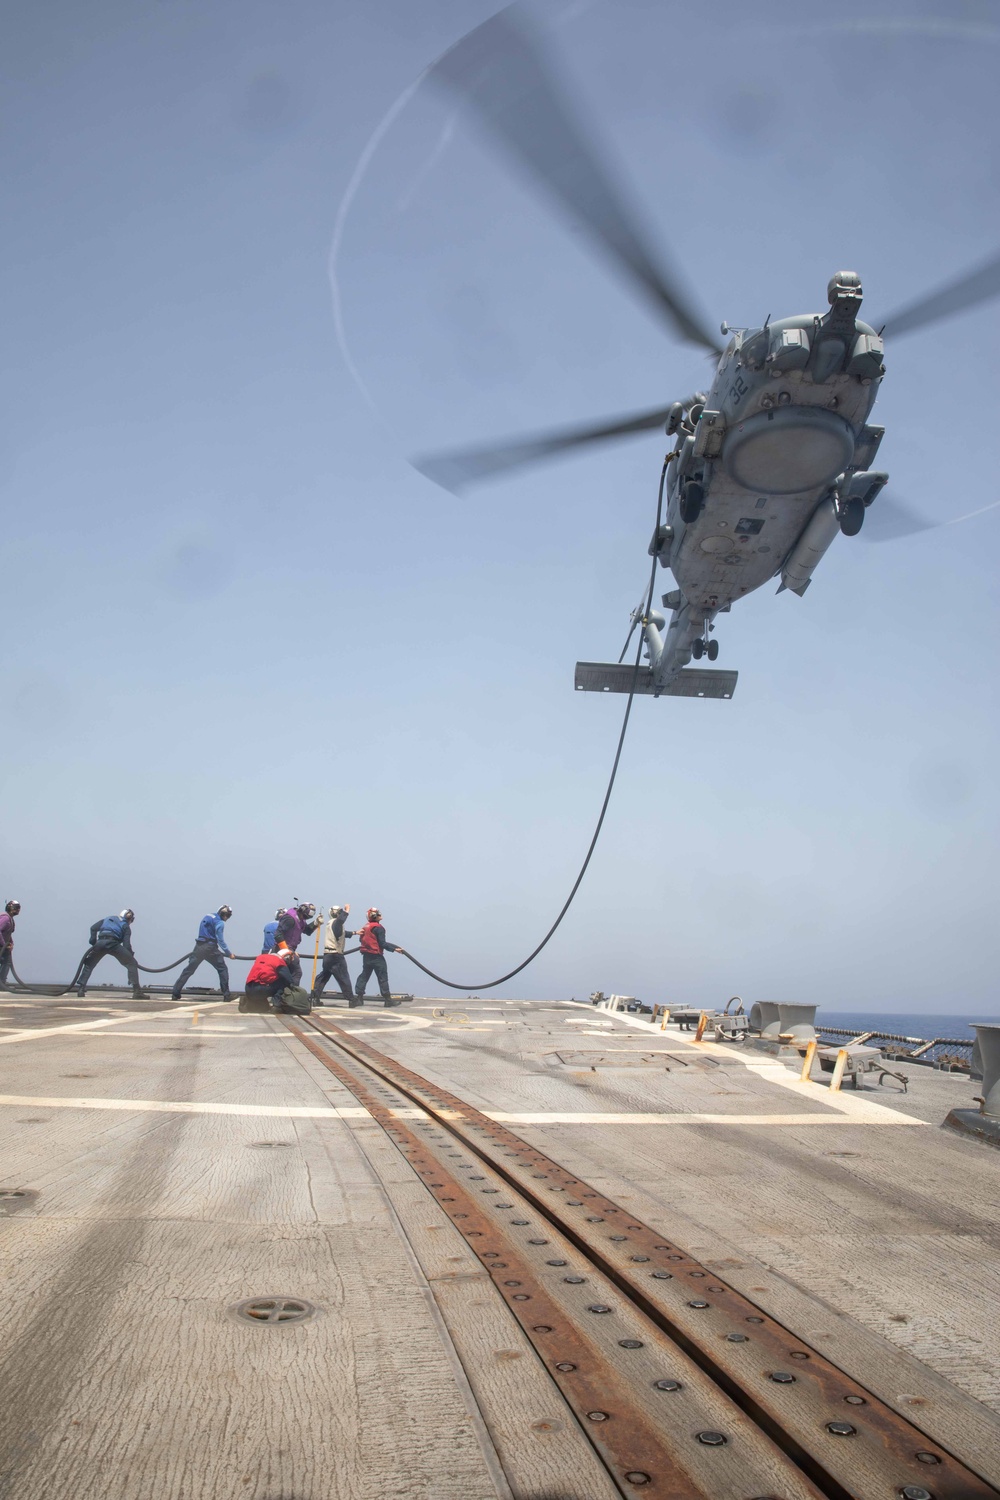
(251,654)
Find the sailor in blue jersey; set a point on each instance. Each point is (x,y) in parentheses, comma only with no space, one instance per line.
(271,932)
(112,935)
(209,949)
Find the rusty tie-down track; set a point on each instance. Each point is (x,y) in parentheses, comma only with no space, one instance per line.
(685,1388)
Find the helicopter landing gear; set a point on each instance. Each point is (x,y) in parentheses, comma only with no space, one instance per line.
(852,515)
(698,649)
(702,648)
(712,650)
(692,501)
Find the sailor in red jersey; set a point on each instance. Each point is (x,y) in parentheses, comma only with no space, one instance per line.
(373,948)
(270,974)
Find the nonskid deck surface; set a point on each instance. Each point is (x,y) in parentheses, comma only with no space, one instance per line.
(176,1160)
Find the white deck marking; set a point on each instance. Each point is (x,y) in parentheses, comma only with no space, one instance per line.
(402,1023)
(198,1107)
(850,1105)
(204,1031)
(357,1112)
(847,1105)
(196,1031)
(556,1117)
(126,1015)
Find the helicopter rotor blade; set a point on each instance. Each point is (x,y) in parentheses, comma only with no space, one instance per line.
(455,469)
(968,291)
(635,618)
(889,520)
(631,633)
(502,69)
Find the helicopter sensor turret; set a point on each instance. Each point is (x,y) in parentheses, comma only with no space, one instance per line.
(845,286)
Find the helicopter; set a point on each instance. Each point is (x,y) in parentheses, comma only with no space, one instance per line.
(769,465)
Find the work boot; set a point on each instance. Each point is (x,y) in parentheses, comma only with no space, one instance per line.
(173,997)
(226,999)
(353,1004)
(391,1001)
(140,994)
(316,1000)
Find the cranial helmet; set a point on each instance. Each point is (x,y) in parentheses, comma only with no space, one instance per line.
(279,913)
(374,915)
(12,908)
(128,915)
(225,912)
(305,908)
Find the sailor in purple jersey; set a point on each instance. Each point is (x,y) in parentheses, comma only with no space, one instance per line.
(7,925)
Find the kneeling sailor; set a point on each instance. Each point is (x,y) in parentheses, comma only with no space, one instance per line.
(271,974)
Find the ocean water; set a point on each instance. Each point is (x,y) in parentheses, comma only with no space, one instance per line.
(906,1023)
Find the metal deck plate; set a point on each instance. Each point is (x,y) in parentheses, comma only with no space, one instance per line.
(622,1058)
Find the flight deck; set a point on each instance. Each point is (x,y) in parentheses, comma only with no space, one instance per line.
(459,1250)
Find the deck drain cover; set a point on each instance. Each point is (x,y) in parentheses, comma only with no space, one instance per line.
(268,1145)
(274,1309)
(12,1200)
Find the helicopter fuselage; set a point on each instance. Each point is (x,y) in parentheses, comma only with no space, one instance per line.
(768,469)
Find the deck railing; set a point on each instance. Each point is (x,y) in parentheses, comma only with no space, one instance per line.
(949,1054)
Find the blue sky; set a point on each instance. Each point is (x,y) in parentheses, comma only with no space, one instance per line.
(251,654)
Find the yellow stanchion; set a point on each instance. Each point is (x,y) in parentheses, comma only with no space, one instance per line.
(194,1018)
(702,1023)
(666,1018)
(807,1061)
(838,1070)
(319,929)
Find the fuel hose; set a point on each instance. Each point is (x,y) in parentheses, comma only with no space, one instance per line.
(453,984)
(64,989)
(490,984)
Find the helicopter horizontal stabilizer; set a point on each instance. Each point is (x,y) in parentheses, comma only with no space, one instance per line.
(692,682)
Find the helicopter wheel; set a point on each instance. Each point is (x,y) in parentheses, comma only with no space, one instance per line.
(712,650)
(698,649)
(852,516)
